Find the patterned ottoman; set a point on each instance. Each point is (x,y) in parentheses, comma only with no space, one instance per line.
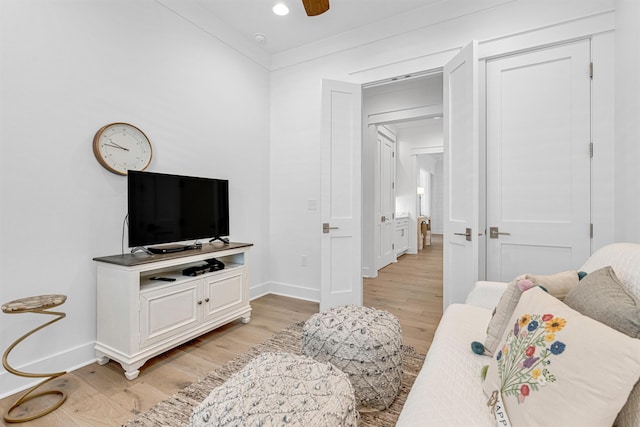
(277,389)
(364,343)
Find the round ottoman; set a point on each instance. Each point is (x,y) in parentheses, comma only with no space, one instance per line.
(364,343)
(277,389)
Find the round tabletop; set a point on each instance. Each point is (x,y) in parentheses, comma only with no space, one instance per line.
(34,303)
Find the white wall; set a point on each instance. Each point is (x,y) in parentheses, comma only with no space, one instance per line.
(70,67)
(430,40)
(627,128)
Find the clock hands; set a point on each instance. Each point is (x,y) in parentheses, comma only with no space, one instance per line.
(114,145)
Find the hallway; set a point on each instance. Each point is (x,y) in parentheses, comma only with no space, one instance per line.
(411,289)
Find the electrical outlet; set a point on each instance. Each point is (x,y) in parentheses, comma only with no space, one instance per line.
(303,260)
(312,204)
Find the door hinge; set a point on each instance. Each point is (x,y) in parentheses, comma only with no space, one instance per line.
(393,154)
(393,246)
(591,70)
(591,150)
(591,231)
(393,185)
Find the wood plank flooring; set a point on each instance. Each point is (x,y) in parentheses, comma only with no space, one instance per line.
(101,395)
(411,289)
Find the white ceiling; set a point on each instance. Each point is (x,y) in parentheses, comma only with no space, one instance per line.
(282,33)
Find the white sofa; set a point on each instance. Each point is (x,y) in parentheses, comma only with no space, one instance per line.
(448,389)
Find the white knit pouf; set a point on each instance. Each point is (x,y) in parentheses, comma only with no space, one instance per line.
(364,343)
(280,389)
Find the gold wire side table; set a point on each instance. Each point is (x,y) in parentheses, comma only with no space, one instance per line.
(36,304)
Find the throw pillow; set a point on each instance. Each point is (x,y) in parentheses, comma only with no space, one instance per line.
(604,298)
(501,315)
(556,366)
(558,284)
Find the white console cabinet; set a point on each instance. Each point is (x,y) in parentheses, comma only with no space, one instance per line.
(402,235)
(140,317)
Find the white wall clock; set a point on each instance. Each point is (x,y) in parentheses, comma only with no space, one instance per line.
(121,147)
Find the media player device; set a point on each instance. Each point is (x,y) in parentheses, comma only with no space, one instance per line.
(212,264)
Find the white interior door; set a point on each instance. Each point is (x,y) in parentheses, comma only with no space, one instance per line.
(341,206)
(385,206)
(461,175)
(538,162)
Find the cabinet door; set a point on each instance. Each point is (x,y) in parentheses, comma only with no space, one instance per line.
(223,294)
(402,236)
(168,311)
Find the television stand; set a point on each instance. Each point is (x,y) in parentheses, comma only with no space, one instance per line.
(140,316)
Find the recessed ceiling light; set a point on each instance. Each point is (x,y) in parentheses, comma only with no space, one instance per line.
(281,9)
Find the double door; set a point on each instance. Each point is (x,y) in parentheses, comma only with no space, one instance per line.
(519,201)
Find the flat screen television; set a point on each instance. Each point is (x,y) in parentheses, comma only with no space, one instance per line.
(173,208)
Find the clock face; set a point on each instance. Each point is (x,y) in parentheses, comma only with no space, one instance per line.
(121,147)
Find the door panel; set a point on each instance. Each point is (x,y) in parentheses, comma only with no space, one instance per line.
(461,175)
(385,253)
(538,164)
(341,253)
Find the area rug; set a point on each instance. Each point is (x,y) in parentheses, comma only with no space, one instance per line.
(175,411)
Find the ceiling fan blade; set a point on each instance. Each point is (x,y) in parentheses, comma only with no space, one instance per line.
(315,7)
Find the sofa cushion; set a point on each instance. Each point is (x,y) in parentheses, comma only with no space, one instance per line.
(604,298)
(554,360)
(447,391)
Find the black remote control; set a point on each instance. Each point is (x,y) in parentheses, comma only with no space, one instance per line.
(164,279)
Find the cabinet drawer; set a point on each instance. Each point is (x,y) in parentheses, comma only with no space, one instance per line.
(168,311)
(402,222)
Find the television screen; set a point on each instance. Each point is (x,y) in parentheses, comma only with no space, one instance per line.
(172,208)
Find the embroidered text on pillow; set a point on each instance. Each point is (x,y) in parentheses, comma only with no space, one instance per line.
(498,410)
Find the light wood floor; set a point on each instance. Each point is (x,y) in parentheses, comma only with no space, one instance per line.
(101,396)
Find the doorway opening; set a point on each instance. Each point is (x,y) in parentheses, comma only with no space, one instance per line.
(407,112)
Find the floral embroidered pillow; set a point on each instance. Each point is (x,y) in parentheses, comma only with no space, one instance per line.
(557,367)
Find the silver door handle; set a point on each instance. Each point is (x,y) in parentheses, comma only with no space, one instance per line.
(494,233)
(466,234)
(326,227)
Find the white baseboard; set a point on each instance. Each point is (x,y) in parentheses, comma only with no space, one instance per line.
(285,289)
(68,360)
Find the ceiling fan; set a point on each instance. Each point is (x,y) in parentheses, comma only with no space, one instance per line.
(315,7)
